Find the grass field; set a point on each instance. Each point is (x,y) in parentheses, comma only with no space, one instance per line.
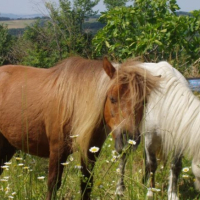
(26,177)
(11,24)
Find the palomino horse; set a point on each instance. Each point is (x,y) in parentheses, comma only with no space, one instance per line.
(170,124)
(43,110)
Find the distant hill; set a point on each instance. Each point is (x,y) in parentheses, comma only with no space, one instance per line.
(183,13)
(17,16)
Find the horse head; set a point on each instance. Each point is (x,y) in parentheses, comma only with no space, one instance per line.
(125,101)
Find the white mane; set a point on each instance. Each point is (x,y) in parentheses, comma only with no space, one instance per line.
(173,114)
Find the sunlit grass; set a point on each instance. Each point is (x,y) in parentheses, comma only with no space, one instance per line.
(25,177)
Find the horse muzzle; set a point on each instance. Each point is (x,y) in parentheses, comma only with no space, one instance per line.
(122,138)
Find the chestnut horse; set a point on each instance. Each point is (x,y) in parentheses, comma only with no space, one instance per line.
(42,109)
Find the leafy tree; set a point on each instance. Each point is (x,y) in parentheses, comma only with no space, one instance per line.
(6,41)
(152,30)
(48,41)
(114,3)
(83,10)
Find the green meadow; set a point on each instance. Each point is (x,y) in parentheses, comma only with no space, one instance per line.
(25,177)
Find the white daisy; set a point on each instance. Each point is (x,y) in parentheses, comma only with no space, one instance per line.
(132,142)
(185,169)
(94,149)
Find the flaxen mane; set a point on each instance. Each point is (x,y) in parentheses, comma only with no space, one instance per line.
(81,93)
(140,81)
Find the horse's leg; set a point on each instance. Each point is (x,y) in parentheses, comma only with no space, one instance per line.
(6,151)
(58,155)
(151,146)
(175,170)
(120,184)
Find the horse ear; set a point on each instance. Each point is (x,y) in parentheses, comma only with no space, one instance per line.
(108,67)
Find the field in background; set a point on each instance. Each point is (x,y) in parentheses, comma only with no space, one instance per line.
(11,24)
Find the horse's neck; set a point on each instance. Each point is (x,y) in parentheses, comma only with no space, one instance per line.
(176,116)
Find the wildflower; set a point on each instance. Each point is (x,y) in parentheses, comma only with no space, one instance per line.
(113,159)
(78,167)
(132,142)
(40,177)
(7,189)
(25,167)
(4,166)
(3,180)
(185,169)
(115,153)
(10,197)
(185,176)
(65,163)
(94,149)
(71,158)
(20,164)
(14,193)
(118,170)
(73,136)
(154,189)
(18,158)
(7,163)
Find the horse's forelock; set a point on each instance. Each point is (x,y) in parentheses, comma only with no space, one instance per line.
(140,81)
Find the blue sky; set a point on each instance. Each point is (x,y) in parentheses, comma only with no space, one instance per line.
(37,6)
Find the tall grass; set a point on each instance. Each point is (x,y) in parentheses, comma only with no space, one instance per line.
(25,177)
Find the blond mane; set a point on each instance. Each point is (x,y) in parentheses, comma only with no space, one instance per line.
(81,91)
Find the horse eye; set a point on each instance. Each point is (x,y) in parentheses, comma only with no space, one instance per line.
(113,100)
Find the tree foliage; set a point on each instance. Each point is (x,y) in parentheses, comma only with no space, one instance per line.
(114,3)
(59,36)
(150,29)
(6,42)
